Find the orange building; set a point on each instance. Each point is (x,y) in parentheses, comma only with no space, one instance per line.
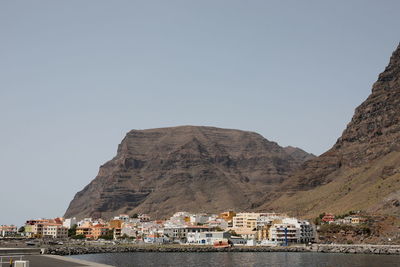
(115,224)
(98,231)
(227,215)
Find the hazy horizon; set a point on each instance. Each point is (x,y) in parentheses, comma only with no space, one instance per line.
(76,76)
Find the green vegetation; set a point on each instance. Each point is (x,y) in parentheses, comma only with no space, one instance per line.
(21,229)
(342,216)
(72,231)
(318,220)
(336,228)
(108,236)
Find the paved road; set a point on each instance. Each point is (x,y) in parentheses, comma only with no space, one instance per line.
(53,261)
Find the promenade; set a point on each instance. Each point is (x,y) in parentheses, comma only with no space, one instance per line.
(37,260)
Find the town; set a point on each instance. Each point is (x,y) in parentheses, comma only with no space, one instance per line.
(224,229)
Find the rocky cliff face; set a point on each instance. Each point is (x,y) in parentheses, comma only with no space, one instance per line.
(362,169)
(160,171)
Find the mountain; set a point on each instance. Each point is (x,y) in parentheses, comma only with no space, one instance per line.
(362,170)
(298,153)
(198,169)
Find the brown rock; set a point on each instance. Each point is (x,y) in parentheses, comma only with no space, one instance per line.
(161,171)
(361,169)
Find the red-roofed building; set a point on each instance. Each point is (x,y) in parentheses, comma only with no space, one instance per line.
(328,217)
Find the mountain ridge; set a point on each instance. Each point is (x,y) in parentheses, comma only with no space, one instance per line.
(361,170)
(163,170)
(196,168)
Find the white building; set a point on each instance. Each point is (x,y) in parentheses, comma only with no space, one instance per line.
(220,223)
(267,219)
(8,230)
(200,218)
(292,230)
(181,233)
(238,241)
(206,238)
(122,217)
(181,214)
(55,231)
(68,223)
(129,229)
(144,217)
(282,232)
(84,221)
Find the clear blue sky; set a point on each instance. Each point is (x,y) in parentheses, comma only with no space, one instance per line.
(75,76)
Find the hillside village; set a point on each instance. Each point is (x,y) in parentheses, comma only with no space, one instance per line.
(243,228)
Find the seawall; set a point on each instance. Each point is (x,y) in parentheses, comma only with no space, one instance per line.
(353,249)
(357,249)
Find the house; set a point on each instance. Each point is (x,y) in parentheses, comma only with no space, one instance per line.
(245,220)
(153,239)
(264,223)
(85,221)
(180,233)
(85,229)
(129,229)
(328,217)
(34,228)
(283,232)
(115,224)
(8,230)
(98,231)
(54,230)
(206,238)
(238,241)
(117,233)
(144,217)
(122,217)
(291,230)
(251,242)
(218,223)
(357,220)
(199,218)
(227,215)
(69,222)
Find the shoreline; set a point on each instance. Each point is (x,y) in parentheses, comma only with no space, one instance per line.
(337,248)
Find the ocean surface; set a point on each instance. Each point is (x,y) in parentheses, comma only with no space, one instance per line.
(272,259)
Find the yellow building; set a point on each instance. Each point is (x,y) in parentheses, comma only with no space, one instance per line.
(245,224)
(357,220)
(85,231)
(246,220)
(263,232)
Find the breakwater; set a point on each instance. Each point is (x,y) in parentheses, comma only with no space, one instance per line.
(357,249)
(121,249)
(352,249)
